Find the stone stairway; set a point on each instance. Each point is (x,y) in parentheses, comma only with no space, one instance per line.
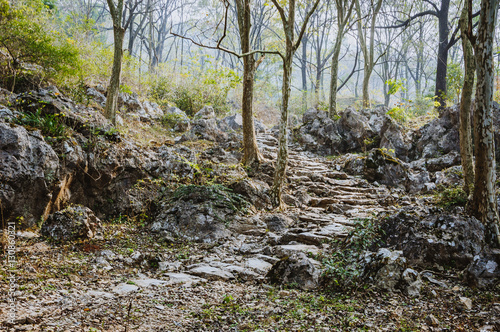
(326,200)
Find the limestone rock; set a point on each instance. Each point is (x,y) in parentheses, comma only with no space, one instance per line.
(296,270)
(72,223)
(235,122)
(442,238)
(385,268)
(29,169)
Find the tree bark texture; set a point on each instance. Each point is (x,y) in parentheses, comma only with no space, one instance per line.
(442,55)
(114,82)
(484,203)
(251,152)
(466,102)
(332,110)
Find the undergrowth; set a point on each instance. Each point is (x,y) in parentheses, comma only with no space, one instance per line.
(342,268)
(50,124)
(450,197)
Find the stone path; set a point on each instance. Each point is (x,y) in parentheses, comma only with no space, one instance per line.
(329,200)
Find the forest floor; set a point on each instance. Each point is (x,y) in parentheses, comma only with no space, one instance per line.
(60,289)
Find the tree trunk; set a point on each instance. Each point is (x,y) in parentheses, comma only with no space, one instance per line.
(332,109)
(303,70)
(466,101)
(442,55)
(484,203)
(280,172)
(251,154)
(114,83)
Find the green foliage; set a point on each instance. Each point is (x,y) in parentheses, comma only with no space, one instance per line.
(395,86)
(170,120)
(342,268)
(399,112)
(194,89)
(50,124)
(449,197)
(26,38)
(454,81)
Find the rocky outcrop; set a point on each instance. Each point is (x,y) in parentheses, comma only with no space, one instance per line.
(439,136)
(484,271)
(451,240)
(204,126)
(198,213)
(235,122)
(381,167)
(29,171)
(384,268)
(353,131)
(178,119)
(74,222)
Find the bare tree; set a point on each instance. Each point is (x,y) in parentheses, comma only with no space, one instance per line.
(367,45)
(291,45)
(466,99)
(344,11)
(119,28)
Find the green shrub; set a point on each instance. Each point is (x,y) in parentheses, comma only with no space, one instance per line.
(449,197)
(195,89)
(26,39)
(171,119)
(341,266)
(49,124)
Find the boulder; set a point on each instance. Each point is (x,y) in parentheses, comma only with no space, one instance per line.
(393,138)
(384,168)
(204,126)
(439,136)
(434,238)
(384,268)
(448,160)
(178,119)
(198,213)
(353,131)
(235,122)
(96,96)
(74,222)
(255,191)
(296,270)
(484,271)
(29,170)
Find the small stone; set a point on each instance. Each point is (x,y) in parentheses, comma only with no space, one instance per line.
(432,320)
(211,273)
(74,278)
(467,303)
(124,289)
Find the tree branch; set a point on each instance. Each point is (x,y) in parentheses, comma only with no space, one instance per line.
(304,24)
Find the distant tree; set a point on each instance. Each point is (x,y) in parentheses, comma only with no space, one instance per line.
(344,11)
(291,45)
(367,39)
(247,35)
(484,202)
(119,27)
